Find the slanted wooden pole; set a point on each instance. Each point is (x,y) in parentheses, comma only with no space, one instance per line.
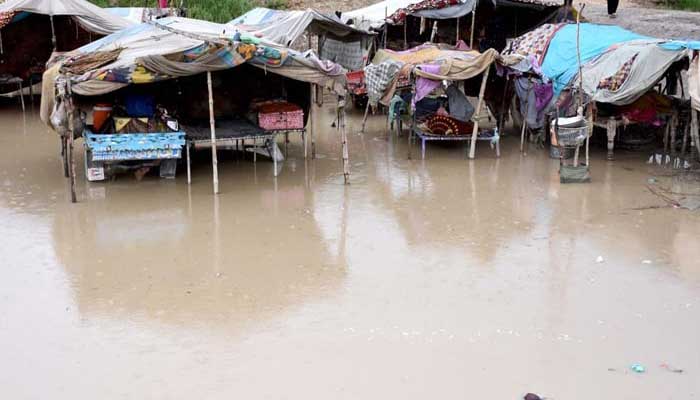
(364,118)
(212,126)
(471,34)
(53,33)
(523,129)
(475,131)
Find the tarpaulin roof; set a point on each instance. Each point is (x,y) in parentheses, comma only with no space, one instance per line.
(88,15)
(174,47)
(618,65)
(285,27)
(376,14)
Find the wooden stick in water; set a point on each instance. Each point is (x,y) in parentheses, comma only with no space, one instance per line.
(212,126)
(475,131)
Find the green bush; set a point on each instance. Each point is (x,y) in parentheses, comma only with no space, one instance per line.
(209,10)
(693,5)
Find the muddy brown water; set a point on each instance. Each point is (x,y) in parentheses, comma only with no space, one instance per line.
(441,278)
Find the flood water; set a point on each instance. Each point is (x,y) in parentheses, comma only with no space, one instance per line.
(442,278)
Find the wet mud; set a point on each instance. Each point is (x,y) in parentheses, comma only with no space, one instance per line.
(435,278)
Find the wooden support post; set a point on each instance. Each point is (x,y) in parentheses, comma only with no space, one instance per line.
(71,138)
(590,133)
(674,128)
(53,33)
(64,156)
(612,132)
(364,118)
(189,168)
(475,132)
(21,94)
(686,132)
(386,25)
(524,116)
(457,34)
(312,114)
(471,34)
(344,139)
(694,134)
(212,126)
(405,33)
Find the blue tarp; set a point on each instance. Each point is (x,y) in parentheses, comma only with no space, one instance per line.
(561,64)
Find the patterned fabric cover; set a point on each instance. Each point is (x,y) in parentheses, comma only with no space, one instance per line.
(614,82)
(378,77)
(534,42)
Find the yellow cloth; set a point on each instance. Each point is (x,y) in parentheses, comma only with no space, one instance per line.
(48,94)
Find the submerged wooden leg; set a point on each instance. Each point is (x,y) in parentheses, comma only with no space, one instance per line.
(422,149)
(477,112)
(694,134)
(189,171)
(674,127)
(64,156)
(364,119)
(612,131)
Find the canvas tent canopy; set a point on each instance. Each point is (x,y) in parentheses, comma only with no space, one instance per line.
(285,27)
(91,17)
(175,47)
(337,42)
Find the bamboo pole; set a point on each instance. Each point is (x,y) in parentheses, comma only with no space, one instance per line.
(475,131)
(212,126)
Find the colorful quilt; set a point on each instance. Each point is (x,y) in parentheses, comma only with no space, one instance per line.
(616,81)
(399,16)
(534,43)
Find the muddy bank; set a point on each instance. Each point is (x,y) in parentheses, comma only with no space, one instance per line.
(435,278)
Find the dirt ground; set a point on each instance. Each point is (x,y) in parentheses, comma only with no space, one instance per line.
(435,278)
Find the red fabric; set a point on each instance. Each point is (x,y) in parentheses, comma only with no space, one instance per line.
(163,3)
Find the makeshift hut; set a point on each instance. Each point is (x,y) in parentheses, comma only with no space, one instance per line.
(32,30)
(336,41)
(626,78)
(399,78)
(194,96)
(482,24)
